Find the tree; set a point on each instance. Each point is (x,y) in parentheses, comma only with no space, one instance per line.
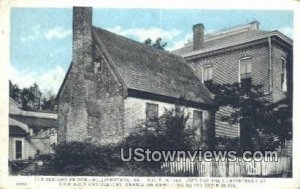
(158,44)
(255,113)
(30,98)
(49,104)
(168,132)
(14,92)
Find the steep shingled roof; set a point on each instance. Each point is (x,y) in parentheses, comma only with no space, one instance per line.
(147,69)
(214,42)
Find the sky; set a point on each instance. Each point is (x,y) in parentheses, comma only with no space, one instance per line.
(41,38)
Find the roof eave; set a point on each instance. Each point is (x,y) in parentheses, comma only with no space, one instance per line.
(132,92)
(213,50)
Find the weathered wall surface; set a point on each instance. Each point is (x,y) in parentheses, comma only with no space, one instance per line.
(72,118)
(100,116)
(135,113)
(91,100)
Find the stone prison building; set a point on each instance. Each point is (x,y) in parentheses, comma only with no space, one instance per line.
(114,84)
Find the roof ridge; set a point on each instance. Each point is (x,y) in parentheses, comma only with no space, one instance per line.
(232,30)
(254,25)
(140,43)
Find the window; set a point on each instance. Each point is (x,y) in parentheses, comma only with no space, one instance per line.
(283,75)
(198,122)
(207,74)
(93,121)
(245,72)
(18,149)
(97,67)
(151,112)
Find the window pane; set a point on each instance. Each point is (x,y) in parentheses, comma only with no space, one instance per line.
(151,111)
(204,74)
(198,122)
(245,68)
(210,73)
(207,73)
(18,149)
(242,68)
(248,67)
(283,75)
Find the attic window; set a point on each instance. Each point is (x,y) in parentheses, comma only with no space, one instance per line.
(97,67)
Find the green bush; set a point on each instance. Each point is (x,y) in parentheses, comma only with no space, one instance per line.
(84,158)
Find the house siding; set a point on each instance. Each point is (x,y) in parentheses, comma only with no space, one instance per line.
(226,65)
(29,147)
(226,70)
(278,53)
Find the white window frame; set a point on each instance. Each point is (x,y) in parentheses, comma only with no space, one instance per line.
(241,59)
(202,71)
(152,103)
(284,86)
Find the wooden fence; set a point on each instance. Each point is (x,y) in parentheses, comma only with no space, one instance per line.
(228,168)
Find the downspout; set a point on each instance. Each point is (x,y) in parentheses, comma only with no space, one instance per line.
(270,65)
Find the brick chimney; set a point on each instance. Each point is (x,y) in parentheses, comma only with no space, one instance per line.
(82,35)
(198,39)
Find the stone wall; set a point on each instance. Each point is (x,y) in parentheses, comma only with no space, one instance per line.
(72,107)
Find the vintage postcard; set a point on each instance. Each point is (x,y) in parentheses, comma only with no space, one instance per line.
(131,95)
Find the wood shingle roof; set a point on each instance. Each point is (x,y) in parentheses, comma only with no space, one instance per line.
(150,70)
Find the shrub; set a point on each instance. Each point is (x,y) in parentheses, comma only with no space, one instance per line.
(169,132)
(84,158)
